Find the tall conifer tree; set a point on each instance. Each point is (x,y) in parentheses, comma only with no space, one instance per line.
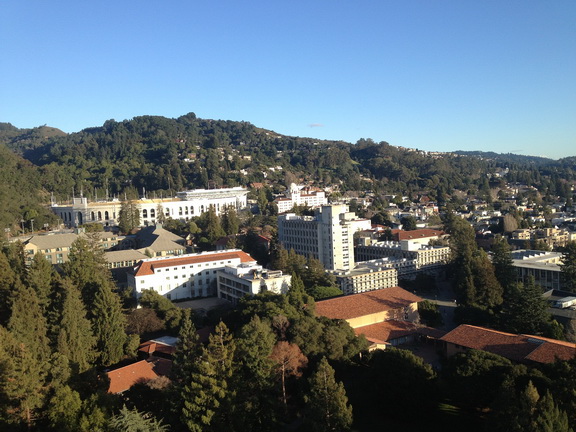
(108,325)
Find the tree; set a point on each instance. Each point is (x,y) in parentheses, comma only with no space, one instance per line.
(408,223)
(430,313)
(327,407)
(8,284)
(75,338)
(160,215)
(39,278)
(205,397)
(214,229)
(568,266)
(289,362)
(143,320)
(132,420)
(64,409)
(129,216)
(502,261)
(230,221)
(108,324)
(526,311)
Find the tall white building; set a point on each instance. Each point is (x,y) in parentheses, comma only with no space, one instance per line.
(328,236)
(185,205)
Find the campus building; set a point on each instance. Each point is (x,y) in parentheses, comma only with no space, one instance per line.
(185,205)
(297,195)
(543,266)
(367,276)
(328,236)
(237,281)
(185,276)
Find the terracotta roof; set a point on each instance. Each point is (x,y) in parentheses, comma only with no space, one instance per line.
(357,305)
(125,377)
(151,347)
(399,235)
(520,348)
(386,331)
(146,267)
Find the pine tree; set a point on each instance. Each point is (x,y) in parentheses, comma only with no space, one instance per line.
(134,421)
(327,407)
(188,352)
(129,216)
(568,267)
(8,284)
(205,396)
(39,277)
(289,362)
(75,338)
(502,261)
(230,221)
(108,324)
(214,229)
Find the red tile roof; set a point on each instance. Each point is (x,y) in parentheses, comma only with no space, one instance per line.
(520,348)
(399,235)
(125,377)
(357,305)
(386,331)
(146,267)
(150,347)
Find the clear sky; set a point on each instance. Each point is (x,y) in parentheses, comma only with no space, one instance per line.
(438,75)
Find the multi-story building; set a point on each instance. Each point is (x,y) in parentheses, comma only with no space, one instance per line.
(543,266)
(428,259)
(328,236)
(237,281)
(185,205)
(296,195)
(185,276)
(367,276)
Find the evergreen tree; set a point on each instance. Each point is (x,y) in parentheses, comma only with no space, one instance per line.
(230,221)
(22,381)
(205,398)
(8,283)
(327,407)
(278,255)
(214,229)
(108,324)
(289,362)
(39,278)
(75,338)
(63,410)
(526,311)
(129,216)
(134,421)
(160,215)
(502,261)
(188,352)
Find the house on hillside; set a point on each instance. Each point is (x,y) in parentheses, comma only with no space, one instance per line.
(386,317)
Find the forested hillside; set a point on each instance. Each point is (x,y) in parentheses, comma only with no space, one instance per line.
(163,155)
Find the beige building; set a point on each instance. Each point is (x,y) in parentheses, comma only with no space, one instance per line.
(543,266)
(385,317)
(237,281)
(367,276)
(297,195)
(185,205)
(328,236)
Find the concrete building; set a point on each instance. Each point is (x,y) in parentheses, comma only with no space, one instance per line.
(543,266)
(185,205)
(185,276)
(367,276)
(428,259)
(237,281)
(297,195)
(328,236)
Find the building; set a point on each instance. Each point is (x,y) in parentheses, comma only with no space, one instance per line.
(421,236)
(156,241)
(543,266)
(185,205)
(427,259)
(328,236)
(56,247)
(237,281)
(367,276)
(185,276)
(123,378)
(385,317)
(297,195)
(519,348)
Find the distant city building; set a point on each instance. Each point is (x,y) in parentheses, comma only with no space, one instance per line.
(237,281)
(187,204)
(298,195)
(328,236)
(185,276)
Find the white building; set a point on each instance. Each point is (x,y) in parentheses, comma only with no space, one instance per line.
(297,196)
(328,236)
(185,276)
(185,205)
(543,266)
(426,258)
(370,276)
(237,281)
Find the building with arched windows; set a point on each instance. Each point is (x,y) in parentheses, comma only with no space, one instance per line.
(186,205)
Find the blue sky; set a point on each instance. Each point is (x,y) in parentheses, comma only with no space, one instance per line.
(433,74)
